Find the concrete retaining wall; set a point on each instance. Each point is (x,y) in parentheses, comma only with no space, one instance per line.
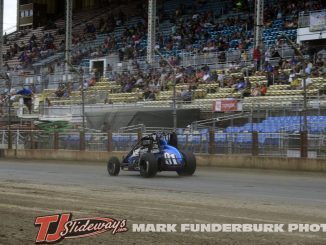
(64,155)
(235,161)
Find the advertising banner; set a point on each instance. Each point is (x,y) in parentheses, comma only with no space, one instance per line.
(227,105)
(318,21)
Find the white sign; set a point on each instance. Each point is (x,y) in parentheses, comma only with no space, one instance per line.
(318,21)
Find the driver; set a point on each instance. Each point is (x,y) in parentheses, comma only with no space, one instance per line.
(173,140)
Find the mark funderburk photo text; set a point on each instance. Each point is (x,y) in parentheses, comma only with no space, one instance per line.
(229,228)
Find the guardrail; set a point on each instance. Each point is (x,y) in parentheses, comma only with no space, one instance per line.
(304,18)
(209,142)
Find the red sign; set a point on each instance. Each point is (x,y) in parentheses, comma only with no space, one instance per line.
(225,105)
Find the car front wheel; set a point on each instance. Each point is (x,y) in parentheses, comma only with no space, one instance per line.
(113,166)
(148,165)
(190,164)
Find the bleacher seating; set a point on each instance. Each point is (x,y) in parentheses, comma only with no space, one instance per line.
(110,92)
(94,15)
(270,132)
(289,124)
(278,95)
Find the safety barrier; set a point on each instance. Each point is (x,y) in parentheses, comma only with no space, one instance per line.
(205,141)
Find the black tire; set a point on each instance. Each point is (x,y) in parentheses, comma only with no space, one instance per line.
(113,166)
(190,164)
(147,165)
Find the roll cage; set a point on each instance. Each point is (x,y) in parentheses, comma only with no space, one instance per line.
(150,142)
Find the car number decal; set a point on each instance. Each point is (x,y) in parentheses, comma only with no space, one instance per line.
(170,159)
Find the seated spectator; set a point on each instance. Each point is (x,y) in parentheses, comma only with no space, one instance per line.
(221,78)
(268,67)
(282,78)
(90,28)
(207,77)
(186,94)
(92,82)
(60,90)
(157,86)
(291,76)
(240,85)
(286,64)
(85,85)
(263,89)
(148,94)
(67,90)
(128,87)
(256,90)
(296,83)
(246,91)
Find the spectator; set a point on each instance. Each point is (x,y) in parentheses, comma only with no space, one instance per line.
(149,94)
(27,96)
(186,94)
(256,91)
(256,57)
(60,90)
(263,89)
(221,78)
(291,76)
(295,84)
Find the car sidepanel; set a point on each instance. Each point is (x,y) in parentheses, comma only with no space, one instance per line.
(173,158)
(133,159)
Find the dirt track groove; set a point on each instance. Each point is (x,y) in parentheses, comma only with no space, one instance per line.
(30,189)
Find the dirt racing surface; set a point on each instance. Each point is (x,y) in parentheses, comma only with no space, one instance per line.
(212,196)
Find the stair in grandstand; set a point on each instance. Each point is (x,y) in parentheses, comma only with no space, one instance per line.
(213,121)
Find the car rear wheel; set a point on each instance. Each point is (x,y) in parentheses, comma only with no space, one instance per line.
(113,166)
(148,165)
(190,164)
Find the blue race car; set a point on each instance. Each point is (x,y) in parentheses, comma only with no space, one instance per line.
(152,154)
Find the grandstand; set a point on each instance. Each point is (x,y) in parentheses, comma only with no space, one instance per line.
(210,54)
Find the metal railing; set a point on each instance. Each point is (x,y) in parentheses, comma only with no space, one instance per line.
(208,142)
(304,18)
(267,105)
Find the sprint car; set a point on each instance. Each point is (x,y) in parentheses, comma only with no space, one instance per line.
(154,153)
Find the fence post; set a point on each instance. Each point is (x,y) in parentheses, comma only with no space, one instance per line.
(139,134)
(9,140)
(110,141)
(254,145)
(31,135)
(304,144)
(211,148)
(56,141)
(82,141)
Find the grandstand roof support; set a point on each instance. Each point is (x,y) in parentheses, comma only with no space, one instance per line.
(151,30)
(68,36)
(174,111)
(259,23)
(1,34)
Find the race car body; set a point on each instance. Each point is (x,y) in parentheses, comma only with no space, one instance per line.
(153,154)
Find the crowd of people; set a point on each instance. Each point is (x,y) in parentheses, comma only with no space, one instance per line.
(285,72)
(33,50)
(199,32)
(193,31)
